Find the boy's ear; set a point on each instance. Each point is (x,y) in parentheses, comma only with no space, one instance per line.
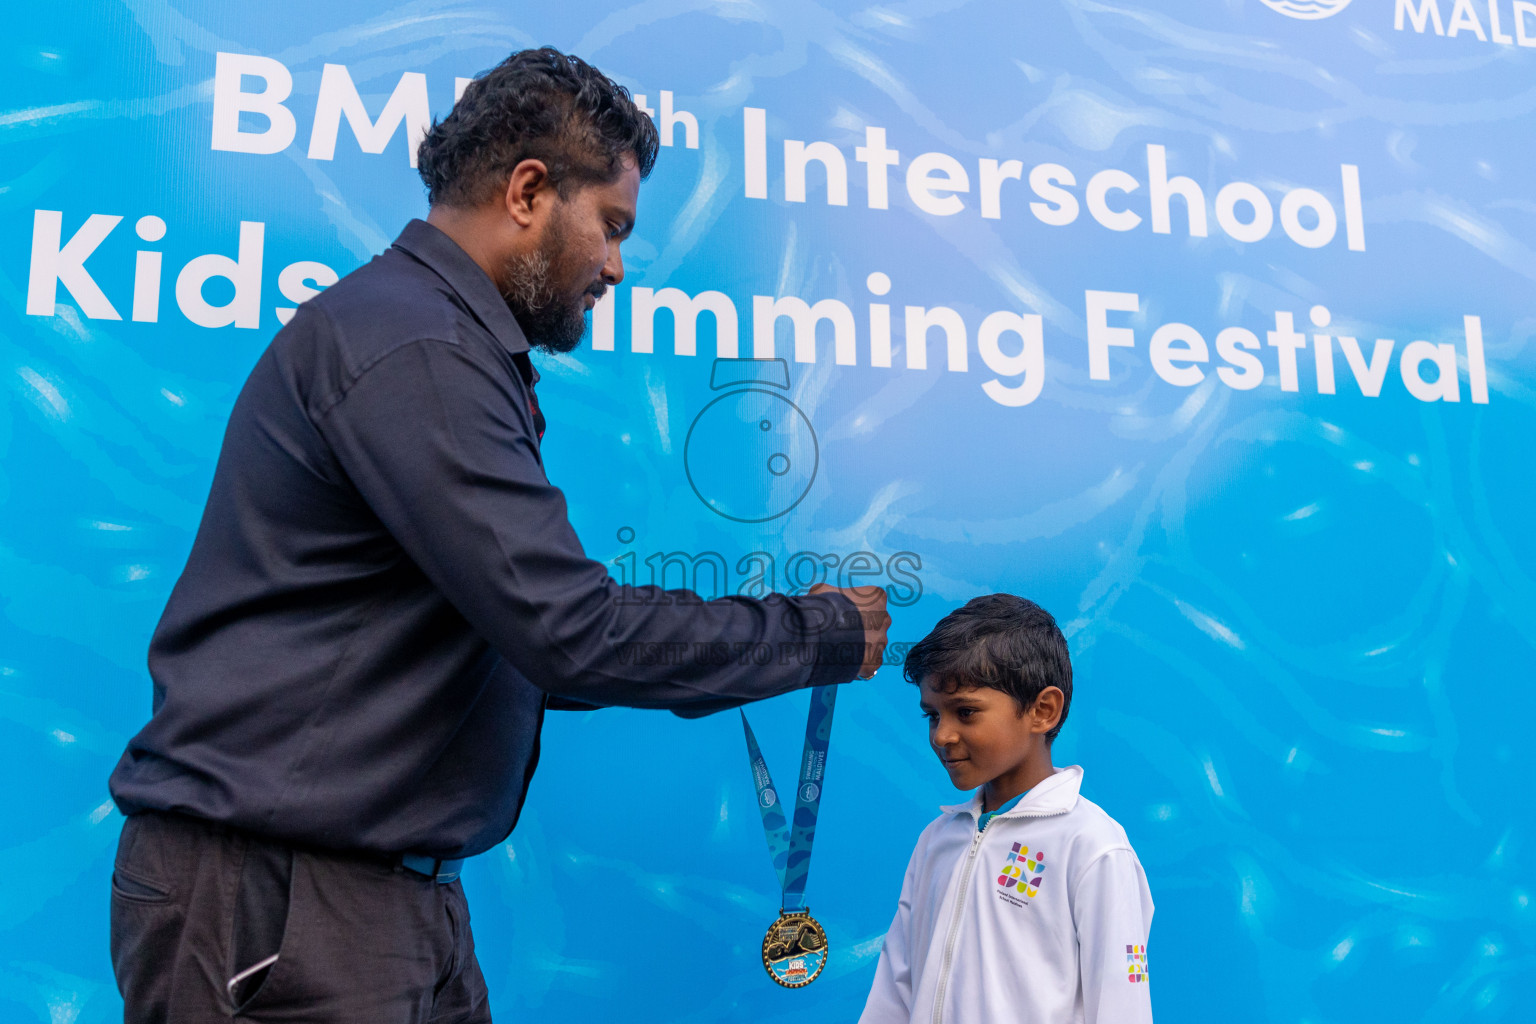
(1045,712)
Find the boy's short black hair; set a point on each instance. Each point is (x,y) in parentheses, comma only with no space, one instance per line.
(1000,642)
(537,104)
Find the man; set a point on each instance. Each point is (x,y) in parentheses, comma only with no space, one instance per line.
(385,594)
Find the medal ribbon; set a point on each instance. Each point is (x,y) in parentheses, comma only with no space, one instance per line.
(790,844)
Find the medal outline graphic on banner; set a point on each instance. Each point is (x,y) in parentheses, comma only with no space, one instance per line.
(795,949)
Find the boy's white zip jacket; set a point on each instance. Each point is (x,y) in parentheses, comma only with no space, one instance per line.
(1043,917)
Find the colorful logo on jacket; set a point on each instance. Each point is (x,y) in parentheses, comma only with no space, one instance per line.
(1136,964)
(1023,871)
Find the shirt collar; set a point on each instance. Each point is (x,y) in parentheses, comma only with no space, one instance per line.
(1055,795)
(444,256)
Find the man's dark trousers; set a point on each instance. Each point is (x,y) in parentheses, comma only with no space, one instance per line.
(195,904)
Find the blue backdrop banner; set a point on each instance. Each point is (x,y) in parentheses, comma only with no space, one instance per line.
(1208,326)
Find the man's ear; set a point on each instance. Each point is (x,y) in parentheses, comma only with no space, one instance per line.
(1045,712)
(526,189)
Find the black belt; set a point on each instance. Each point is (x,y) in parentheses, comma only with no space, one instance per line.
(440,871)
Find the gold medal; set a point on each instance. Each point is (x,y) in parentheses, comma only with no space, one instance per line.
(795,949)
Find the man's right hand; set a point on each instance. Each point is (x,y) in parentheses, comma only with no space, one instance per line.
(871,604)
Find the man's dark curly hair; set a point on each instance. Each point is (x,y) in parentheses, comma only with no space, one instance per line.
(541,105)
(999,642)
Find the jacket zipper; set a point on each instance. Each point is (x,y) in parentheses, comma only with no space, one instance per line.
(954,921)
(954,925)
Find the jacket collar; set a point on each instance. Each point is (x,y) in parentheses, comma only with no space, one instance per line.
(1055,795)
(442,255)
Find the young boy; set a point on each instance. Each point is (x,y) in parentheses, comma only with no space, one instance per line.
(1026,903)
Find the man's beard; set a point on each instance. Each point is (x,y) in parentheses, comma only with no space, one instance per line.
(552,322)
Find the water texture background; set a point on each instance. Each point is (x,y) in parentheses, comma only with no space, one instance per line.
(1302,623)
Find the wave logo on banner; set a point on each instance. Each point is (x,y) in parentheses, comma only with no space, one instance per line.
(1306,10)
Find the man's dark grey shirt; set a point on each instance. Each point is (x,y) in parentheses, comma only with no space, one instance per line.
(385,589)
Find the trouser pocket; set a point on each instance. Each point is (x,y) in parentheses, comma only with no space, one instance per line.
(127,886)
(260,921)
(146,925)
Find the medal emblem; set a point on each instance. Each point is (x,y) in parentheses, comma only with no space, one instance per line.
(795,949)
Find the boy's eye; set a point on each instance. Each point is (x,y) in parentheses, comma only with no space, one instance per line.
(929,716)
(965,713)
